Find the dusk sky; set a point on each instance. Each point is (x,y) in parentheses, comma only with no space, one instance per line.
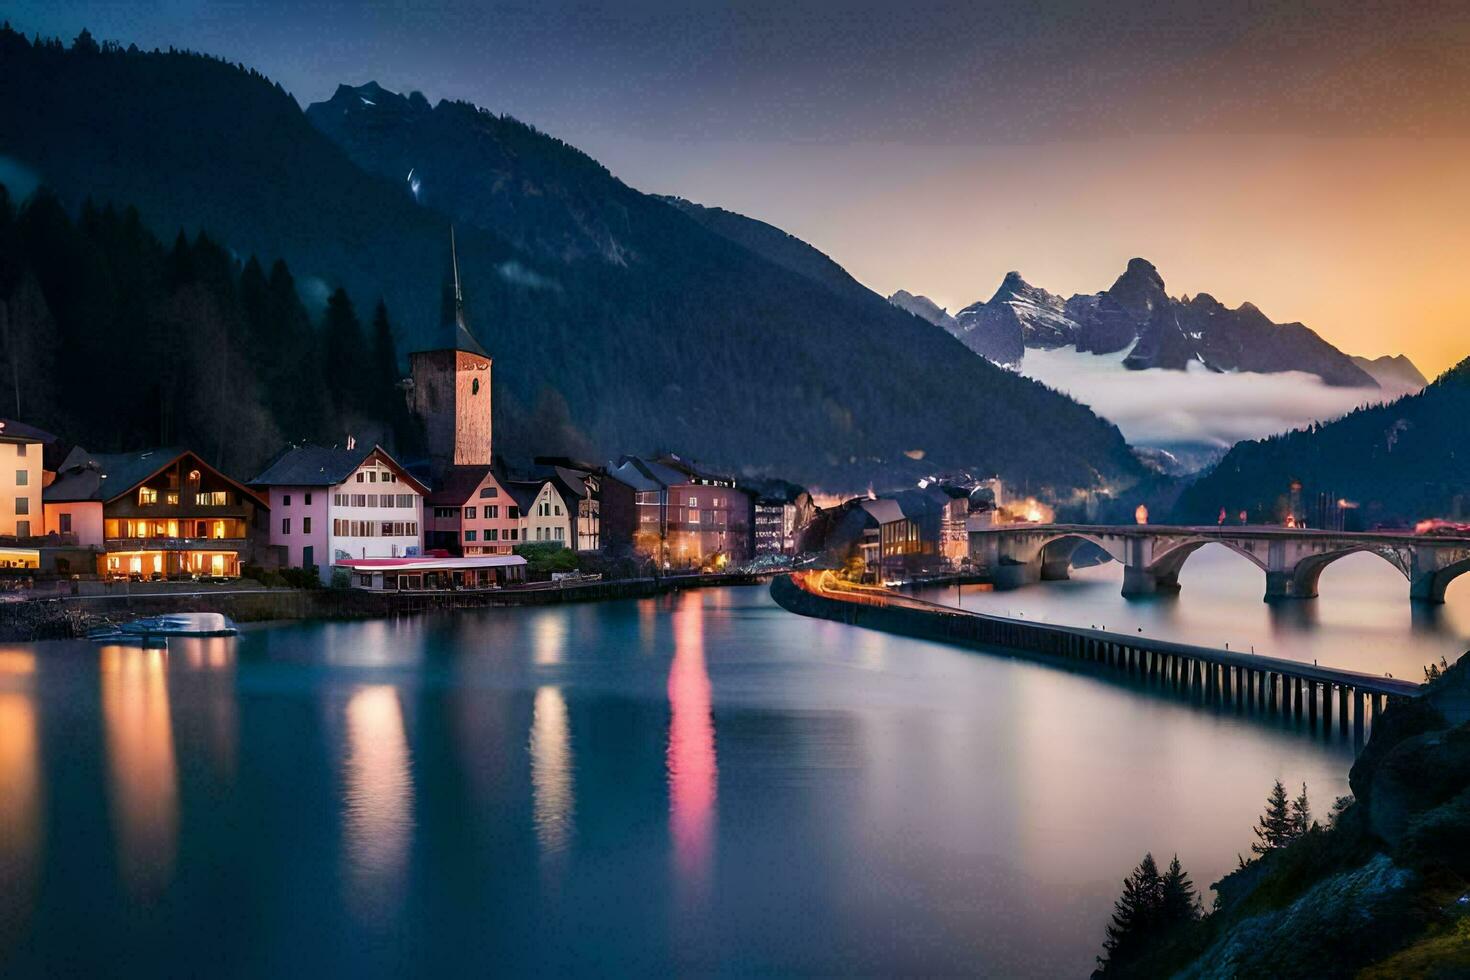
(1310,162)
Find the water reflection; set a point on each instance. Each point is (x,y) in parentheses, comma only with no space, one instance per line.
(693,771)
(549,635)
(20,781)
(379,804)
(208,679)
(551,771)
(143,773)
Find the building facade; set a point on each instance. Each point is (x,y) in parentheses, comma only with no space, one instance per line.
(687,517)
(22,475)
(156,514)
(333,504)
(471,513)
(543,514)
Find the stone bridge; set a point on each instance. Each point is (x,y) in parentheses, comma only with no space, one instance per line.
(1152,555)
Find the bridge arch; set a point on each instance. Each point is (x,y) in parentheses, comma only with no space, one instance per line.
(1055,552)
(1307,573)
(1168,563)
(1432,586)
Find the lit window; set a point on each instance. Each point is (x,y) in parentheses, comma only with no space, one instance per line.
(147,495)
(212,498)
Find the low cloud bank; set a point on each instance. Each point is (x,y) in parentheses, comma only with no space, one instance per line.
(1195,406)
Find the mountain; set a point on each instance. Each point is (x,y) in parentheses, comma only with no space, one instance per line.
(1396,463)
(1393,372)
(616,320)
(923,307)
(1138,316)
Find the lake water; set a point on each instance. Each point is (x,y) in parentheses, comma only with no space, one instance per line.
(1363,619)
(698,783)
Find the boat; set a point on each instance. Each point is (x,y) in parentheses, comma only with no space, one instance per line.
(159,628)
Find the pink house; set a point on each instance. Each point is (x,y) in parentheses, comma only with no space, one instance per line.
(330,505)
(472,514)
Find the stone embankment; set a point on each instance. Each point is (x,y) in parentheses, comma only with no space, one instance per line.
(72,616)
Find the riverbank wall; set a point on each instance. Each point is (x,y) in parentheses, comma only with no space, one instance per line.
(71,616)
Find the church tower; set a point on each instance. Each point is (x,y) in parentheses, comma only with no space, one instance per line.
(451,385)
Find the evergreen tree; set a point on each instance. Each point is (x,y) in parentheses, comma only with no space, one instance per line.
(1276,827)
(1178,901)
(1301,814)
(1136,917)
(347,367)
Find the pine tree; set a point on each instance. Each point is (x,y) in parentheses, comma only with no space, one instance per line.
(1301,814)
(1275,827)
(1135,916)
(1178,901)
(348,364)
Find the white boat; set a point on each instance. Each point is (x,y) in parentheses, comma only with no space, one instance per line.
(153,628)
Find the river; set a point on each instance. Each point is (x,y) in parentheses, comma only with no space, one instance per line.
(692,784)
(1363,619)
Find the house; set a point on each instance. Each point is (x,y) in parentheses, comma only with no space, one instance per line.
(875,530)
(472,513)
(22,477)
(449,391)
(687,517)
(544,516)
(333,504)
(779,510)
(160,513)
(603,509)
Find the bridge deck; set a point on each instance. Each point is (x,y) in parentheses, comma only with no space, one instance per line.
(1255,531)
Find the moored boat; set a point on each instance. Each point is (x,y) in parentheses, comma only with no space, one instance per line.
(151,628)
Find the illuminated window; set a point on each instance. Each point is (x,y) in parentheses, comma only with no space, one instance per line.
(212,498)
(147,495)
(171,497)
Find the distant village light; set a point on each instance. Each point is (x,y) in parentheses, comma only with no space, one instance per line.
(1141,514)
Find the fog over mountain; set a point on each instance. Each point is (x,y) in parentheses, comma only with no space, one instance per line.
(1196,407)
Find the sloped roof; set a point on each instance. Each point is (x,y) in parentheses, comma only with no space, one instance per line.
(13,431)
(884,511)
(86,476)
(627,471)
(523,492)
(318,466)
(458,485)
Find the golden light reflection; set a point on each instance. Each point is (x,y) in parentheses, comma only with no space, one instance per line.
(550,638)
(551,771)
(20,794)
(379,805)
(17,662)
(143,773)
(693,769)
(211,684)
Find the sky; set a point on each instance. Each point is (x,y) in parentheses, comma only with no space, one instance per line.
(1304,158)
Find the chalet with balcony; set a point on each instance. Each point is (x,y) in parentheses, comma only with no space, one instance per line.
(329,505)
(156,514)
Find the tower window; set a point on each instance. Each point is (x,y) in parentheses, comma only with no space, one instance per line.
(475,386)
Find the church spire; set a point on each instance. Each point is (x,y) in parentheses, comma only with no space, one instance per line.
(454,329)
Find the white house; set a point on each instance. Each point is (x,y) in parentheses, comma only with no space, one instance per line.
(331,505)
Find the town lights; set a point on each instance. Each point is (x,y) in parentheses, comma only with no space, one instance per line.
(1141,514)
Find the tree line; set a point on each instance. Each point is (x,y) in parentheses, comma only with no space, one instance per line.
(116,341)
(1155,906)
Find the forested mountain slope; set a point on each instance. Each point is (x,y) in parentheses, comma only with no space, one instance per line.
(616,322)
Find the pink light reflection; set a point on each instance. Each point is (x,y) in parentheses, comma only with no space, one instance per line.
(693,771)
